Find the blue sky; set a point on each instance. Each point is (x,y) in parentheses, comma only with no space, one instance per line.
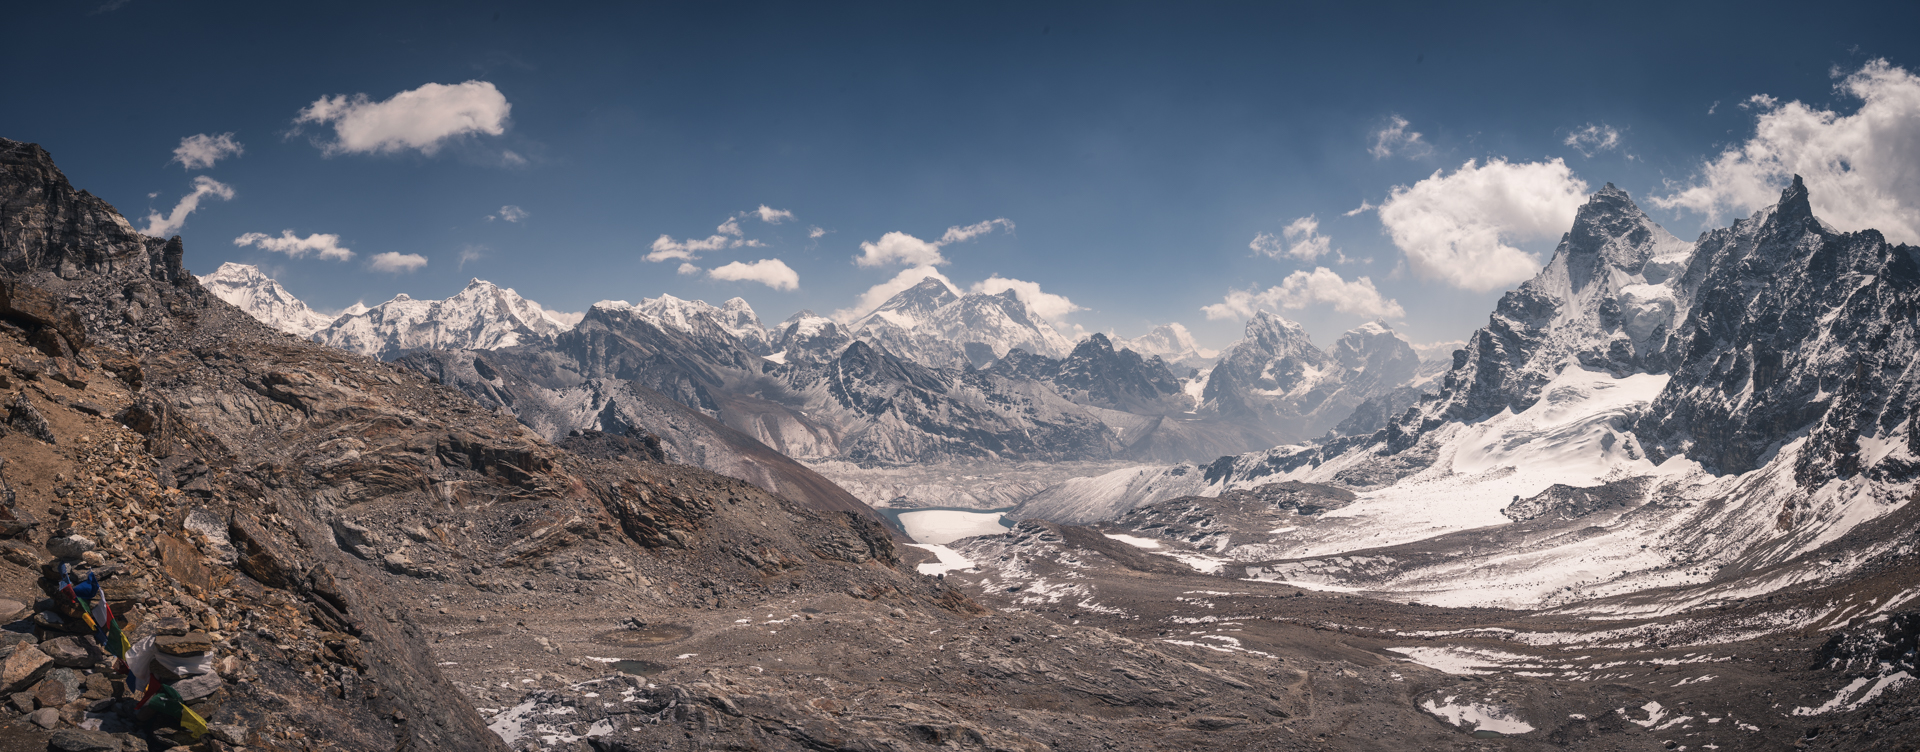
(1136,151)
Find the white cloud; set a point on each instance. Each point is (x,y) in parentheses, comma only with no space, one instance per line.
(772,216)
(1048,305)
(396,262)
(686,269)
(200,151)
(1858,167)
(1457,228)
(879,293)
(1322,286)
(1302,241)
(899,248)
(816,233)
(1395,138)
(510,213)
(471,253)
(203,187)
(958,234)
(326,245)
(1593,139)
(1442,351)
(423,119)
(1364,207)
(727,235)
(770,272)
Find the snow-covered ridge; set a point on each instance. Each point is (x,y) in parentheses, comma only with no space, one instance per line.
(251,290)
(482,316)
(1644,414)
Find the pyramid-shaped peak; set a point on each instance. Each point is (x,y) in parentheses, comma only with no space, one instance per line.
(1794,200)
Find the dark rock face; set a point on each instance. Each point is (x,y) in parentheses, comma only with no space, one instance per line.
(1567,502)
(1793,327)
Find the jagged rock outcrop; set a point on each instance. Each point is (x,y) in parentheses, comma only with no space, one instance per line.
(1787,325)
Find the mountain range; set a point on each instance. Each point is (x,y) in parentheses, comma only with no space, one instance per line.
(1646,425)
(930,374)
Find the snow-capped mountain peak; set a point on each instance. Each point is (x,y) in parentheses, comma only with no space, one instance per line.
(246,287)
(1172,342)
(481,316)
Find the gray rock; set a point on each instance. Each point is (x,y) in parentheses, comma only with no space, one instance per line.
(70,546)
(45,718)
(22,669)
(27,418)
(72,651)
(231,733)
(214,527)
(12,610)
(81,740)
(21,701)
(197,687)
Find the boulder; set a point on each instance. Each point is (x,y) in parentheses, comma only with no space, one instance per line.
(73,651)
(70,546)
(60,687)
(45,718)
(83,740)
(23,668)
(192,643)
(195,688)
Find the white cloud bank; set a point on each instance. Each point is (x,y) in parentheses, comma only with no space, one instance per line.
(1458,228)
(327,246)
(1860,168)
(1302,240)
(1322,286)
(510,213)
(200,151)
(901,248)
(203,187)
(770,272)
(422,119)
(396,262)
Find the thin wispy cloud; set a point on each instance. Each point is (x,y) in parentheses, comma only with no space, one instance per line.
(1593,138)
(1398,138)
(1300,239)
(510,213)
(203,188)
